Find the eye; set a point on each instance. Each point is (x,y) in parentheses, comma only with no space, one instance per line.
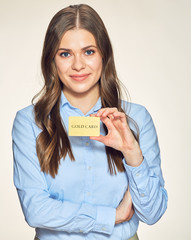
(65,54)
(89,52)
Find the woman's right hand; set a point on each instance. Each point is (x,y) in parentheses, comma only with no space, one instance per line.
(124,211)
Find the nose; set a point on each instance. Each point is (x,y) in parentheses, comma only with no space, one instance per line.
(78,63)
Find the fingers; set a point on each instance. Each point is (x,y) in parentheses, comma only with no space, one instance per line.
(104,112)
(120,115)
(130,214)
(116,125)
(111,113)
(125,210)
(106,120)
(127,195)
(128,201)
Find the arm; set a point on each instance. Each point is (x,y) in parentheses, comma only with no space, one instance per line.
(39,207)
(146,180)
(142,163)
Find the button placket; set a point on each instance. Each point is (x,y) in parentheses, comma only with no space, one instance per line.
(89,177)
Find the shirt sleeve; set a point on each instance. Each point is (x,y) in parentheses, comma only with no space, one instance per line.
(39,208)
(146,182)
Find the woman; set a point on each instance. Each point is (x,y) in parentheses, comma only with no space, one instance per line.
(85,187)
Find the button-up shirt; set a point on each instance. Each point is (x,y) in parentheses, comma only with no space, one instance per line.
(80,202)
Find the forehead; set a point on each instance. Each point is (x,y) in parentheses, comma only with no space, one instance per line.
(77,38)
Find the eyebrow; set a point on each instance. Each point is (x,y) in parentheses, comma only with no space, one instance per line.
(84,48)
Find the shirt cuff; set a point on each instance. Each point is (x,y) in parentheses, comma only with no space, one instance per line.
(139,179)
(105,220)
(134,170)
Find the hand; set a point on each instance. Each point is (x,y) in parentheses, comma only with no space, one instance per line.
(124,211)
(119,135)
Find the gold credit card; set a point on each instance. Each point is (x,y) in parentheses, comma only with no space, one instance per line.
(84,126)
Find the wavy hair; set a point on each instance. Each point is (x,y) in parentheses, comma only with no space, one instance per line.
(53,143)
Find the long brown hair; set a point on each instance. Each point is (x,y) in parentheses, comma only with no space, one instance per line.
(53,143)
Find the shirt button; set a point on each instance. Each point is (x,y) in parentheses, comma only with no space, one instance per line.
(89,193)
(89,168)
(142,194)
(103,228)
(137,174)
(87,143)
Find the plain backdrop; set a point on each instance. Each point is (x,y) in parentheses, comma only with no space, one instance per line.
(151,41)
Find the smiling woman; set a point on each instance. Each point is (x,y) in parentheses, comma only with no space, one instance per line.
(79,65)
(79,187)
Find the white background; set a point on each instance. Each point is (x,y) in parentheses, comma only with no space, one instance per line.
(151,41)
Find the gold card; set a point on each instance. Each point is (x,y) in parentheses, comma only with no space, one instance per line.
(84,126)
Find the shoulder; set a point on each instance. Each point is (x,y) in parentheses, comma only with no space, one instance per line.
(25,121)
(26,113)
(134,109)
(137,112)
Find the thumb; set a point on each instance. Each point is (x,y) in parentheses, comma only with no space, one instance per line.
(100,138)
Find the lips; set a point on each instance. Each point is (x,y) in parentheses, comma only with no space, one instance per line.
(79,77)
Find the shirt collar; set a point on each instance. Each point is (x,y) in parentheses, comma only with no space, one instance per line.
(95,108)
(63,100)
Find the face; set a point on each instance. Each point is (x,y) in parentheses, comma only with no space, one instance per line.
(79,63)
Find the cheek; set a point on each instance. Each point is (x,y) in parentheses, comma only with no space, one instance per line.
(96,65)
(99,68)
(61,67)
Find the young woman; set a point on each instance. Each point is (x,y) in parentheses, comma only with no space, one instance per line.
(85,187)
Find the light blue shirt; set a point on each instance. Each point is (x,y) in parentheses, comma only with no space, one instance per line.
(80,202)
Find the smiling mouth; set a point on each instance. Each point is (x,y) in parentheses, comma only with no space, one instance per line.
(80,77)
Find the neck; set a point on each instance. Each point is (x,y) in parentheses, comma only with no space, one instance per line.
(82,101)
